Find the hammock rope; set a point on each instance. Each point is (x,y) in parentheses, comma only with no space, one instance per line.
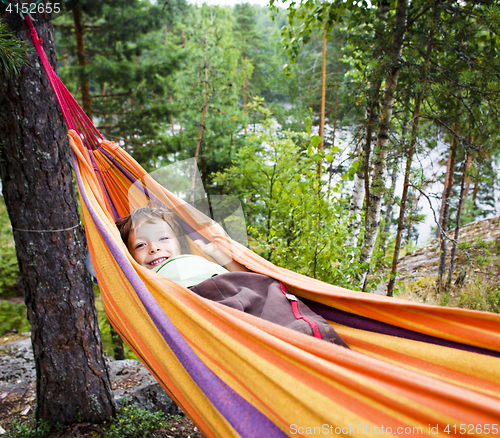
(73,114)
(410,367)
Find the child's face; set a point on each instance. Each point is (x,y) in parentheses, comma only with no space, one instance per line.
(153,243)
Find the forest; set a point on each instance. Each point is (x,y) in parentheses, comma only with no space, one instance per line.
(367,96)
(346,129)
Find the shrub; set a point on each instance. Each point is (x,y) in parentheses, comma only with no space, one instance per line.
(133,422)
(13,317)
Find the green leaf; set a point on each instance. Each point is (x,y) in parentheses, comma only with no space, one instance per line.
(315,140)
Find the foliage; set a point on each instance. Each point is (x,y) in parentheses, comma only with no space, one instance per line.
(295,217)
(128,66)
(13,317)
(12,52)
(475,282)
(27,429)
(205,32)
(9,270)
(130,421)
(160,68)
(133,422)
(486,297)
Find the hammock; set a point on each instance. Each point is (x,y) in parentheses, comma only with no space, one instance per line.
(413,369)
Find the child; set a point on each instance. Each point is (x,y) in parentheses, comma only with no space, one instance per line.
(156,241)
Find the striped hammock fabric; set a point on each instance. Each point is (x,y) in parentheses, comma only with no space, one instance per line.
(413,369)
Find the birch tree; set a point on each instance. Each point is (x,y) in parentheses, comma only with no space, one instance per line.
(377,188)
(411,151)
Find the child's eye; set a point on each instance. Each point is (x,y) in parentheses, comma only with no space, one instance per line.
(163,238)
(139,245)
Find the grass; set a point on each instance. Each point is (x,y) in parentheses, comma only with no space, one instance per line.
(130,421)
(479,292)
(479,259)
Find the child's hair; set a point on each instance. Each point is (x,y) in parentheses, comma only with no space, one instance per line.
(149,214)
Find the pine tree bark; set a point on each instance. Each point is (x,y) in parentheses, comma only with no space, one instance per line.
(72,378)
(377,189)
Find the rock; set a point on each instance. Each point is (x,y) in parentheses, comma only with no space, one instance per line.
(152,397)
(133,383)
(17,366)
(130,379)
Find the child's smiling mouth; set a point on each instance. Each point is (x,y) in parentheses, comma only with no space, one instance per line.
(158,261)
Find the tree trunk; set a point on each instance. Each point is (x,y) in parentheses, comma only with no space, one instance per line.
(355,207)
(244,86)
(336,107)
(461,200)
(467,180)
(323,95)
(372,218)
(409,159)
(117,341)
(389,199)
(443,198)
(172,117)
(374,95)
(371,116)
(82,61)
(244,95)
(72,378)
(360,191)
(202,124)
(356,204)
(443,223)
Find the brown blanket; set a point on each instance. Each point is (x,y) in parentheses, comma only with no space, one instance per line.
(262,296)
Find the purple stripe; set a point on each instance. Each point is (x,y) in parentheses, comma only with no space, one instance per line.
(118,165)
(244,417)
(371,325)
(115,213)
